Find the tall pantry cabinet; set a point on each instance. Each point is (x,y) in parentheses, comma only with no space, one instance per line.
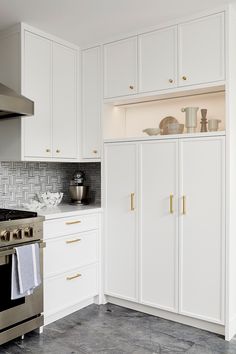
(121,220)
(164,224)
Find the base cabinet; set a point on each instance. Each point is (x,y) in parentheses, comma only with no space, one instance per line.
(176,253)
(67,290)
(71,264)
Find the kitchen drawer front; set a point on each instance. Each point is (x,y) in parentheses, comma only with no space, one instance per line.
(69,289)
(70,225)
(70,252)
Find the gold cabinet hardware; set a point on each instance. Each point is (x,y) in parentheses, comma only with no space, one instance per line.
(73,241)
(95,151)
(74,276)
(184,78)
(132,207)
(171,81)
(57,151)
(73,222)
(184,204)
(48,150)
(131,87)
(171,203)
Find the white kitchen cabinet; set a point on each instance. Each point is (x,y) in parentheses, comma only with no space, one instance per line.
(71,263)
(91,103)
(37,86)
(67,290)
(157,58)
(179,218)
(64,98)
(186,54)
(120,68)
(202,235)
(201,50)
(47,73)
(159,224)
(120,223)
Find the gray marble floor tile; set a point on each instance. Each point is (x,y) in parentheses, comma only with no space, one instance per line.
(111,329)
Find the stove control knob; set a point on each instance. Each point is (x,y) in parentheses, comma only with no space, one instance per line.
(5,235)
(28,232)
(17,234)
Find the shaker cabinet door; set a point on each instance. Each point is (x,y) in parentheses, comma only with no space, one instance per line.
(158,224)
(91,103)
(120,221)
(64,102)
(158,60)
(37,86)
(201,229)
(201,50)
(120,68)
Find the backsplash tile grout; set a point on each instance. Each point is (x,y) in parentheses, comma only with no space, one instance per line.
(20,181)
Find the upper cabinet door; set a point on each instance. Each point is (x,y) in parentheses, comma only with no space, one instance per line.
(91,103)
(202,235)
(120,68)
(64,102)
(37,86)
(201,50)
(158,60)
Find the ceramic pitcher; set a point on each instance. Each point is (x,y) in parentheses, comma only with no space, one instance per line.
(190,118)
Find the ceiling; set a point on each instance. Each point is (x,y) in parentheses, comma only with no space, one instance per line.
(88,21)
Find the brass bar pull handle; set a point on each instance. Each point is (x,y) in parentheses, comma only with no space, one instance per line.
(74,276)
(171,204)
(73,241)
(132,207)
(73,222)
(184,204)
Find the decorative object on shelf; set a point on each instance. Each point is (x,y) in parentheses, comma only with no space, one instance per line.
(78,192)
(50,199)
(213,125)
(190,118)
(204,121)
(152,131)
(164,124)
(175,128)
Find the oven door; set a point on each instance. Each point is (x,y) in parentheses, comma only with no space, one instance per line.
(15,311)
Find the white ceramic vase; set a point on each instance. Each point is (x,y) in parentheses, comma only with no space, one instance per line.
(190,118)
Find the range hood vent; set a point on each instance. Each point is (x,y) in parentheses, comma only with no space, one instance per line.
(13,104)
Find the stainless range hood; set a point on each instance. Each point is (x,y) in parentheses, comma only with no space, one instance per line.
(13,104)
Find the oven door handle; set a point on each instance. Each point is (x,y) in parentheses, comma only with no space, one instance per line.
(13,250)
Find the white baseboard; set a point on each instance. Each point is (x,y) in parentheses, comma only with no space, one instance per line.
(230,330)
(67,311)
(208,326)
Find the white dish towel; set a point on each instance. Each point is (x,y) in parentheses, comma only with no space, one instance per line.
(25,276)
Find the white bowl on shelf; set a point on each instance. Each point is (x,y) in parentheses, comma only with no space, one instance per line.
(152,131)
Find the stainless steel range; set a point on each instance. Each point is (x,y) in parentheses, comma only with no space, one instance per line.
(19,316)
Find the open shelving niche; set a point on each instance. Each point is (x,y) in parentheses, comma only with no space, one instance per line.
(127,120)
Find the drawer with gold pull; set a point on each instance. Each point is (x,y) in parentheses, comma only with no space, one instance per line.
(70,225)
(69,289)
(70,252)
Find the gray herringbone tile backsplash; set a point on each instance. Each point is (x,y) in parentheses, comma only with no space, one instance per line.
(20,181)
